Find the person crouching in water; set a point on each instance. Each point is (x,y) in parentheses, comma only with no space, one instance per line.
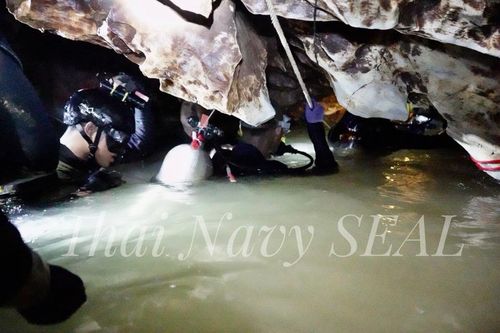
(99,128)
(251,154)
(258,144)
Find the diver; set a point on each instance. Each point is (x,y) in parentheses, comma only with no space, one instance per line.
(251,154)
(43,294)
(105,126)
(424,129)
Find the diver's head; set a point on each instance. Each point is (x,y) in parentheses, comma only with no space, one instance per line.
(99,126)
(267,136)
(74,139)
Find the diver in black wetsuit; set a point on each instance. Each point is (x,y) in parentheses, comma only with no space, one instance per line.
(425,129)
(251,154)
(31,152)
(105,125)
(43,294)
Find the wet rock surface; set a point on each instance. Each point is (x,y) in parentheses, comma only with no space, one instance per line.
(472,24)
(376,55)
(461,84)
(218,63)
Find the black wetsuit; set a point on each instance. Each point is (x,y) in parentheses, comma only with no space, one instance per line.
(43,294)
(246,159)
(72,178)
(325,162)
(379,135)
(71,169)
(71,175)
(16,259)
(141,143)
(84,175)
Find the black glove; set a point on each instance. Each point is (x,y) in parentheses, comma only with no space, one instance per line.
(102,180)
(66,295)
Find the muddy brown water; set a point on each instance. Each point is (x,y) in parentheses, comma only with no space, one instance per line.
(407,242)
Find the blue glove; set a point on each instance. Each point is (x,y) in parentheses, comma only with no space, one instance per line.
(314,114)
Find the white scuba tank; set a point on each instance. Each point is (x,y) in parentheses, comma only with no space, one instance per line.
(185,165)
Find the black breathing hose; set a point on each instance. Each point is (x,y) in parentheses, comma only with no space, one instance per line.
(283,150)
(289,149)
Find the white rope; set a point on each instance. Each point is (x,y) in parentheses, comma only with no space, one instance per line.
(284,42)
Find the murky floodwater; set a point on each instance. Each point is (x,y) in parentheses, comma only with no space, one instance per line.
(284,254)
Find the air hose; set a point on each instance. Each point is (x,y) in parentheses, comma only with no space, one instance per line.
(255,169)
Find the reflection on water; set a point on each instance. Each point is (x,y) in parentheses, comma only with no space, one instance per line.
(256,256)
(483,210)
(405,183)
(481,224)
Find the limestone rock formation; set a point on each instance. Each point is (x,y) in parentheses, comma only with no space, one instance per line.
(218,63)
(376,79)
(469,23)
(199,7)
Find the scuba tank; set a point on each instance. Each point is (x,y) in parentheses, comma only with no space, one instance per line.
(189,164)
(185,165)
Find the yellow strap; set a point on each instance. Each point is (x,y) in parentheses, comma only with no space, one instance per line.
(409,109)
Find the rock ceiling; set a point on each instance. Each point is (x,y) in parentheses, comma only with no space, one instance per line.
(374,54)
